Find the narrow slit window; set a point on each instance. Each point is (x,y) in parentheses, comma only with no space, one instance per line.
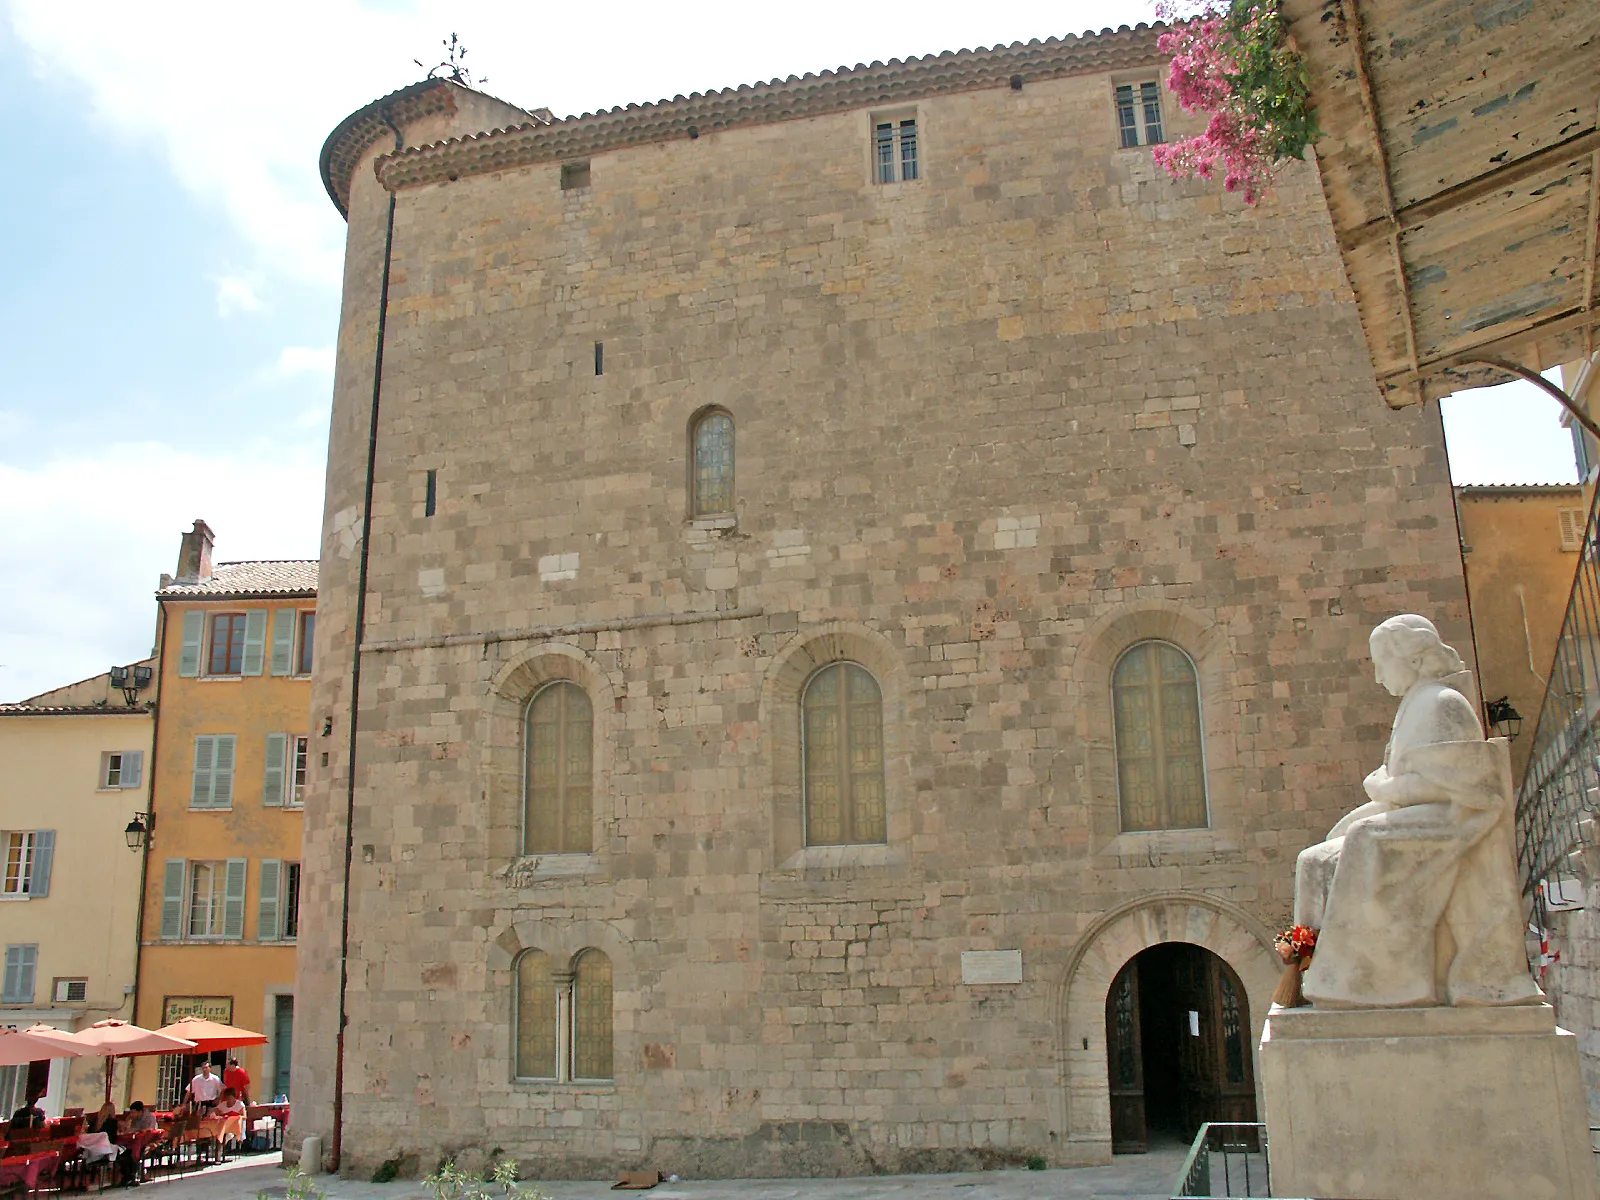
(895,150)
(599,358)
(430,503)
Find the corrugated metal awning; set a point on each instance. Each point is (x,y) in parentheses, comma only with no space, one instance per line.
(1460,167)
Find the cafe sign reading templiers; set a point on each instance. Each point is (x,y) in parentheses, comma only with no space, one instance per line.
(212,1008)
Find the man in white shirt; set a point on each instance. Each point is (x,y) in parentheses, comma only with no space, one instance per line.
(204,1088)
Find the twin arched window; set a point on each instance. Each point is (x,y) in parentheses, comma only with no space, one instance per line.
(842,757)
(563,1019)
(1155,706)
(558,779)
(711,465)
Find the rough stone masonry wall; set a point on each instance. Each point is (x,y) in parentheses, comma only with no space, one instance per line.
(963,408)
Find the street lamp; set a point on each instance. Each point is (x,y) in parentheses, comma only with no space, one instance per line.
(140,829)
(1504,721)
(130,681)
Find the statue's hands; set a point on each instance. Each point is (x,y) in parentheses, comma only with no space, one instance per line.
(1379,785)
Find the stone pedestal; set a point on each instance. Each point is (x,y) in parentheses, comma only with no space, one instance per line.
(1424,1103)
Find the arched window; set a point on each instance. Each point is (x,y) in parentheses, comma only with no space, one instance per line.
(842,761)
(711,480)
(1155,707)
(591,1016)
(559,772)
(536,1017)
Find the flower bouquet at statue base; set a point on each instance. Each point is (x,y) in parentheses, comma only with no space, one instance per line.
(1295,946)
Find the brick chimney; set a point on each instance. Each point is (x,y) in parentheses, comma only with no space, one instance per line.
(194,557)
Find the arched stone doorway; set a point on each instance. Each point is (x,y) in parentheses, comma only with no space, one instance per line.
(1178,1049)
(1241,941)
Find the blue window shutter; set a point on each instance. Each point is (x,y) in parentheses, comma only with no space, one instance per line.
(233,899)
(172,900)
(222,771)
(194,629)
(255,640)
(44,851)
(283,641)
(132,768)
(267,923)
(272,787)
(11,989)
(205,751)
(30,968)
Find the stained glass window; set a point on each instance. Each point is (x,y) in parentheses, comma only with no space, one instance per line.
(536,1017)
(591,1016)
(559,780)
(842,714)
(713,465)
(1160,768)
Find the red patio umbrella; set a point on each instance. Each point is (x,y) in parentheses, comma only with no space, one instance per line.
(118,1039)
(212,1035)
(20,1048)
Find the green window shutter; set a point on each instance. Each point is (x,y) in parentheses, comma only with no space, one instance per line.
(172,900)
(205,750)
(222,771)
(132,768)
(44,852)
(272,788)
(267,926)
(233,899)
(194,628)
(255,640)
(283,641)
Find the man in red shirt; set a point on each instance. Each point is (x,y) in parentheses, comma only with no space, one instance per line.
(237,1078)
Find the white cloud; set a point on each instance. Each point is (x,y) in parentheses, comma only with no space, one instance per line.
(236,294)
(91,535)
(305,360)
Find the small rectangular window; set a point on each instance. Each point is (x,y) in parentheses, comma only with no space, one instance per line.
(121,769)
(895,149)
(207,891)
(599,358)
(291,900)
(430,501)
(227,644)
(19,852)
(70,991)
(111,770)
(301,754)
(307,634)
(1570,523)
(1139,114)
(574,175)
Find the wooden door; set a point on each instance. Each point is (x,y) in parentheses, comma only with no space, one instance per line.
(1193,1008)
(1234,1069)
(1125,1063)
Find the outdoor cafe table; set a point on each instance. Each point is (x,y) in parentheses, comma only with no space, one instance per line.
(97,1147)
(26,1168)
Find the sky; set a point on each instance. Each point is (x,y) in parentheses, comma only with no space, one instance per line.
(171,287)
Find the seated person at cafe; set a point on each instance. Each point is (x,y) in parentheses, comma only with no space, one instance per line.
(105,1121)
(29,1116)
(140,1118)
(237,1078)
(97,1123)
(204,1088)
(230,1105)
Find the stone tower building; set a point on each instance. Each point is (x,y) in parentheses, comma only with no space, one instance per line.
(843,568)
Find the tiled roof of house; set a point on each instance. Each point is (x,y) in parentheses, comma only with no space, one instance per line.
(76,710)
(810,95)
(237,580)
(1510,489)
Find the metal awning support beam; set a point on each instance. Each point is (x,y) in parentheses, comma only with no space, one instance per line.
(1538,380)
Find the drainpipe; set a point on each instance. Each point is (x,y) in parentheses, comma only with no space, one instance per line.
(150,807)
(336,1151)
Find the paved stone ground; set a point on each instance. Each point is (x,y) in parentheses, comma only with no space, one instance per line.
(1132,1177)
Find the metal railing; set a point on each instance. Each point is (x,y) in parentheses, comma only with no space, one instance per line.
(1561,788)
(1228,1158)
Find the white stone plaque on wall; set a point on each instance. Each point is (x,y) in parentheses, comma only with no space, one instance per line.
(991,966)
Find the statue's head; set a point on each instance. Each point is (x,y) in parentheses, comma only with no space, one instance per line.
(1408,648)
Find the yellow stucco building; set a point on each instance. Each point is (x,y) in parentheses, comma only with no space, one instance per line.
(232,750)
(75,775)
(1520,544)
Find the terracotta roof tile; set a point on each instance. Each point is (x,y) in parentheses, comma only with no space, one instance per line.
(271,577)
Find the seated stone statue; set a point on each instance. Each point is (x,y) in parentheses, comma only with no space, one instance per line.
(1415,892)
